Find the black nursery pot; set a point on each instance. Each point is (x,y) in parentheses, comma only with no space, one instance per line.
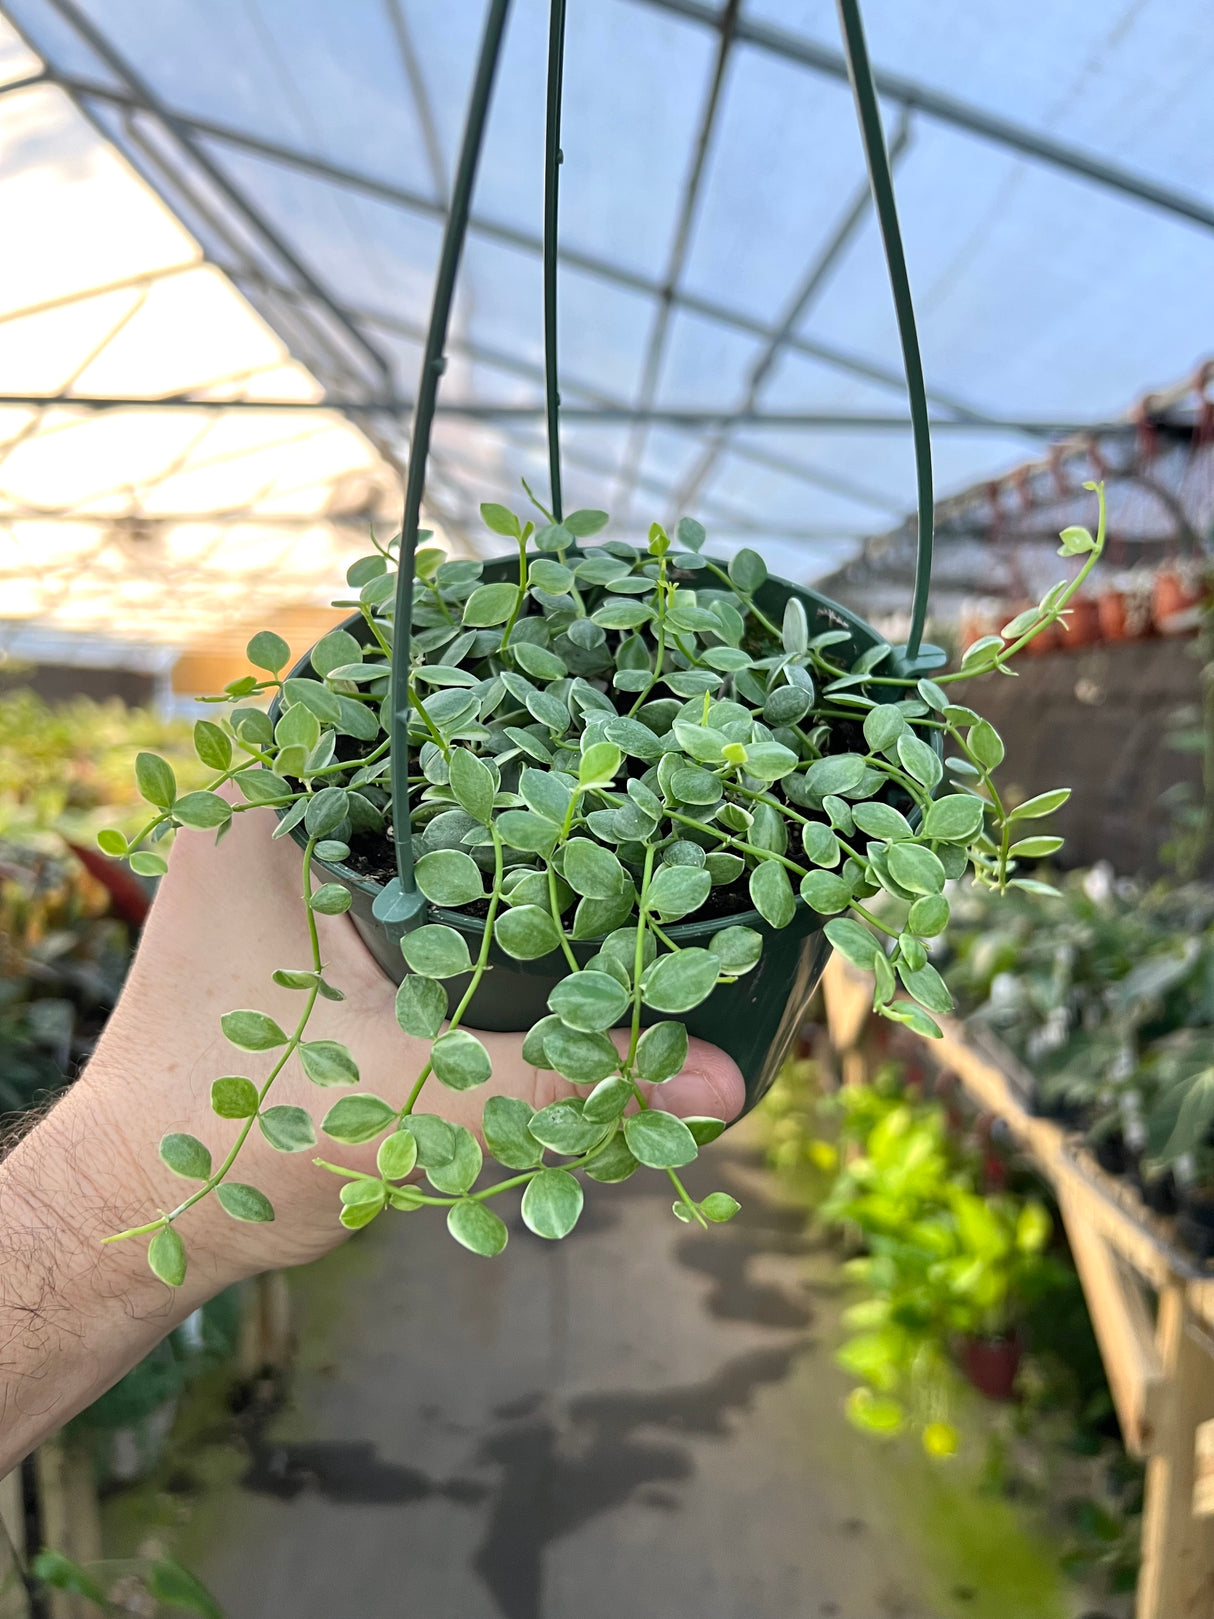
(755,1020)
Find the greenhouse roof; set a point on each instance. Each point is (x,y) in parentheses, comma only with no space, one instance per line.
(727,343)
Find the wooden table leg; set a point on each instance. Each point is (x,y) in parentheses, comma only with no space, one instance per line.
(1177,1579)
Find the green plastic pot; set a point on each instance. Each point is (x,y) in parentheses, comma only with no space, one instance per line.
(754,1019)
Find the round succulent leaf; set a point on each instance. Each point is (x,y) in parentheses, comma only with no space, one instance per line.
(748,570)
(328,1062)
(288,1129)
(397,1155)
(489,605)
(244,1202)
(704,1129)
(915,868)
(607,1101)
(882,821)
(562,1127)
(737,948)
(680,980)
(719,1207)
(677,891)
(166,1256)
(202,810)
(155,779)
(449,877)
(533,1041)
(692,785)
(527,932)
(661,1052)
(186,1156)
(659,1140)
(955,818)
(545,794)
(268,651)
(473,784)
(928,916)
(825,893)
(421,1006)
(724,868)
(552,1204)
(985,744)
(477,1228)
(592,871)
(436,951)
(234,1097)
(837,773)
(506,1126)
(459,1174)
(883,726)
(771,893)
(538,661)
(460,1060)
(612,1163)
(927,986)
(528,832)
(326,811)
(1035,848)
(914,1017)
(1033,809)
(579,1056)
(355,1119)
(820,844)
(435,1138)
(852,941)
(919,760)
(551,577)
(252,1031)
(596,917)
(331,899)
(590,1001)
(213,746)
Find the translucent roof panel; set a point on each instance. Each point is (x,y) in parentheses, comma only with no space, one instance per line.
(727,343)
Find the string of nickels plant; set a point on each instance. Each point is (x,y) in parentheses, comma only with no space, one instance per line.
(610,734)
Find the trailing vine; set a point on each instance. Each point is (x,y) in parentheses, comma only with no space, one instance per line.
(599,748)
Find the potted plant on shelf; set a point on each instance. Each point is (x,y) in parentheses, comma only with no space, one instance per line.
(588,787)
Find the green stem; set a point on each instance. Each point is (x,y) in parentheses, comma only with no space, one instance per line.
(215,1178)
(478,971)
(747,601)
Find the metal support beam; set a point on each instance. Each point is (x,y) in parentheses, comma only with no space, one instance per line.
(781,420)
(146,98)
(510,236)
(949,110)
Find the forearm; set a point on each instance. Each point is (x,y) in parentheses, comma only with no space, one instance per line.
(74,1315)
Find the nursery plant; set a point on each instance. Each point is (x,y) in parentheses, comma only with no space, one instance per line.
(626,782)
(608,782)
(947,1270)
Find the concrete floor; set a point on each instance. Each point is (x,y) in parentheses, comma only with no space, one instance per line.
(640,1420)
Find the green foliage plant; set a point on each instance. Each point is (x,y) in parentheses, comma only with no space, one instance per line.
(943,1262)
(601,745)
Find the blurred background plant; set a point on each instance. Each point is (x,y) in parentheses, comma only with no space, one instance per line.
(960,1279)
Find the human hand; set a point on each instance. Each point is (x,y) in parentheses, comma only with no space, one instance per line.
(225,918)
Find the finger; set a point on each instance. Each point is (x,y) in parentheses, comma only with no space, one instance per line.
(709,1084)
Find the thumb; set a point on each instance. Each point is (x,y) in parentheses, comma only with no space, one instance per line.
(709,1083)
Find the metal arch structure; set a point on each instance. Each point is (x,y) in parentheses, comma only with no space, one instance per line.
(348,346)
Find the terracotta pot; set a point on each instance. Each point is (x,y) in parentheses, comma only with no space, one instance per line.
(1114,621)
(991,1364)
(1083,625)
(1174,595)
